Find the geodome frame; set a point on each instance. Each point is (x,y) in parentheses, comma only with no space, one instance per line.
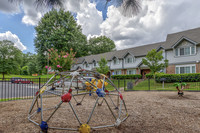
(96,86)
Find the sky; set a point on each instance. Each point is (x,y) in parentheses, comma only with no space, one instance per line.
(156,19)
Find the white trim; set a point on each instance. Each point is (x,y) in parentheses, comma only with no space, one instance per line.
(133,71)
(117,72)
(117,61)
(188,65)
(195,52)
(184,38)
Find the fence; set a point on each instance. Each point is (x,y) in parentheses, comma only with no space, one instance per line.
(150,84)
(19,89)
(14,89)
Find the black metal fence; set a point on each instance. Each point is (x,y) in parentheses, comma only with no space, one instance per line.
(14,89)
(26,88)
(149,84)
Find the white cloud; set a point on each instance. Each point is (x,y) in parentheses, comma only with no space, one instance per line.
(14,38)
(87,15)
(8,7)
(32,14)
(156,19)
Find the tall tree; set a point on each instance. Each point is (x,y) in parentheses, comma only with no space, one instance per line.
(154,60)
(129,7)
(59,30)
(10,57)
(32,65)
(100,44)
(103,67)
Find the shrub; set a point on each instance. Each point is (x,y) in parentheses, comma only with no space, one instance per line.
(189,77)
(149,75)
(132,76)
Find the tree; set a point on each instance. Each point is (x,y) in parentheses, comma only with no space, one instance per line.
(24,70)
(102,44)
(26,58)
(10,57)
(32,65)
(154,61)
(59,30)
(103,67)
(61,61)
(129,7)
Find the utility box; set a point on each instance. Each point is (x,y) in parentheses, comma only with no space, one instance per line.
(130,85)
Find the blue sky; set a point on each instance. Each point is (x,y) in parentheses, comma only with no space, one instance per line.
(14,24)
(156,19)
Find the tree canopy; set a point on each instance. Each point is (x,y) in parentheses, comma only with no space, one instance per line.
(154,60)
(102,44)
(10,57)
(59,30)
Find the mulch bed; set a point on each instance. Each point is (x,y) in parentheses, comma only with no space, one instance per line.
(150,112)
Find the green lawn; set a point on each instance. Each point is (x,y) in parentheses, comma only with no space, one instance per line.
(144,85)
(9,99)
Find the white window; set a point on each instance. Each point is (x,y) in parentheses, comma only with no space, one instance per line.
(117,72)
(184,51)
(129,60)
(176,51)
(185,69)
(116,61)
(131,71)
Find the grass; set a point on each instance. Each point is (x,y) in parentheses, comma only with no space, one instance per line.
(144,85)
(9,99)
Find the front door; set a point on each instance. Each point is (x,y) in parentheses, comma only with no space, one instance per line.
(144,72)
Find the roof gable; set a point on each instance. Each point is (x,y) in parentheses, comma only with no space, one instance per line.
(128,53)
(182,39)
(192,34)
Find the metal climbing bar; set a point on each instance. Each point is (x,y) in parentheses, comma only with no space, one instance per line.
(75,113)
(96,87)
(92,111)
(54,111)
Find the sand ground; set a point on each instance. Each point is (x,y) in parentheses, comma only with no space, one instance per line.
(149,112)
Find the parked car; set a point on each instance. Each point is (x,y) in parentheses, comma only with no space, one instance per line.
(58,83)
(23,81)
(14,78)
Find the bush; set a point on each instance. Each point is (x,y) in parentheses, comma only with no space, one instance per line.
(133,76)
(190,77)
(149,75)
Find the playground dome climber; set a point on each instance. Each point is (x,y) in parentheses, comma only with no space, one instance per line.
(75,88)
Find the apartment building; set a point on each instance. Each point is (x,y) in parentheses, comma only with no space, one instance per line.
(182,49)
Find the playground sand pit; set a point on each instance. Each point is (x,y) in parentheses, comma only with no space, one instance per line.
(149,112)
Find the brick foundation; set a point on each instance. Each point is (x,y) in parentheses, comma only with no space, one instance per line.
(170,69)
(138,71)
(198,68)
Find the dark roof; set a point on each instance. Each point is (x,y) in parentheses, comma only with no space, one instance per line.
(135,51)
(192,34)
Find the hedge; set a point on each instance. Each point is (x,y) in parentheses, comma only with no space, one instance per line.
(132,76)
(190,77)
(149,75)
